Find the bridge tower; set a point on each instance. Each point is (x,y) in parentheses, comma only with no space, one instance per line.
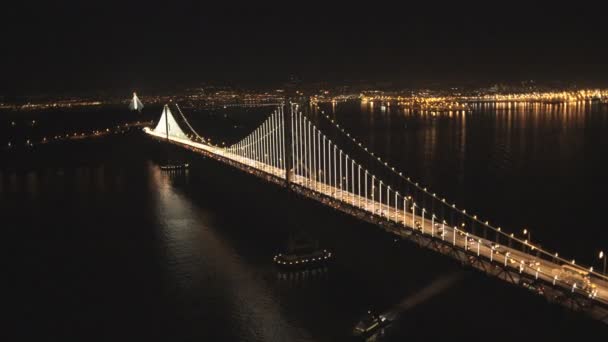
(287,116)
(167,121)
(135,104)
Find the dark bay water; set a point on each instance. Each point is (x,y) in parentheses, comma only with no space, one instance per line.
(103,246)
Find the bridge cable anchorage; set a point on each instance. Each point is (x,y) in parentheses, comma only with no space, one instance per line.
(523,243)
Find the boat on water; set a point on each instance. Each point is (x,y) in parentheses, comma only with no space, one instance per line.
(303,259)
(370,324)
(170,167)
(303,254)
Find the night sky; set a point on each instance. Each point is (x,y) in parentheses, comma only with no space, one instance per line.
(57,47)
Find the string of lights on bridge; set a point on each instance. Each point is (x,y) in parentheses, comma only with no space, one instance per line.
(200,138)
(463,212)
(264,144)
(322,171)
(312,166)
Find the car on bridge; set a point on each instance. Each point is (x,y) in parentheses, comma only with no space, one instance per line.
(512,262)
(496,248)
(439,228)
(577,277)
(532,263)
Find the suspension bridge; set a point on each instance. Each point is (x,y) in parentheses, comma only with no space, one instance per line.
(290,150)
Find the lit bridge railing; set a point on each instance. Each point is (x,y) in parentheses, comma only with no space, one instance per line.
(319,166)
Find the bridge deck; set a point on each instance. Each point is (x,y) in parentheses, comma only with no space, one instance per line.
(403,224)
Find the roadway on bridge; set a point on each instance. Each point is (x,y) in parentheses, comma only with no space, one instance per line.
(526,263)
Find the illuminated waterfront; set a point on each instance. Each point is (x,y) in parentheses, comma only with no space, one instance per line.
(253,172)
(194,231)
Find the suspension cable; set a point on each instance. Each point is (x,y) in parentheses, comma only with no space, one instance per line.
(453,206)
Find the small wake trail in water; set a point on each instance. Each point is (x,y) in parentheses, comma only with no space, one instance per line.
(436,287)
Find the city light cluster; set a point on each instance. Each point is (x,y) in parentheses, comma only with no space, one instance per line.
(425,100)
(50,105)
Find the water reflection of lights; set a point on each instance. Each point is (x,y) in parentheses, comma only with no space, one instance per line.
(196,253)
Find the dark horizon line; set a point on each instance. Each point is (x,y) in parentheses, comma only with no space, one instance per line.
(378,84)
